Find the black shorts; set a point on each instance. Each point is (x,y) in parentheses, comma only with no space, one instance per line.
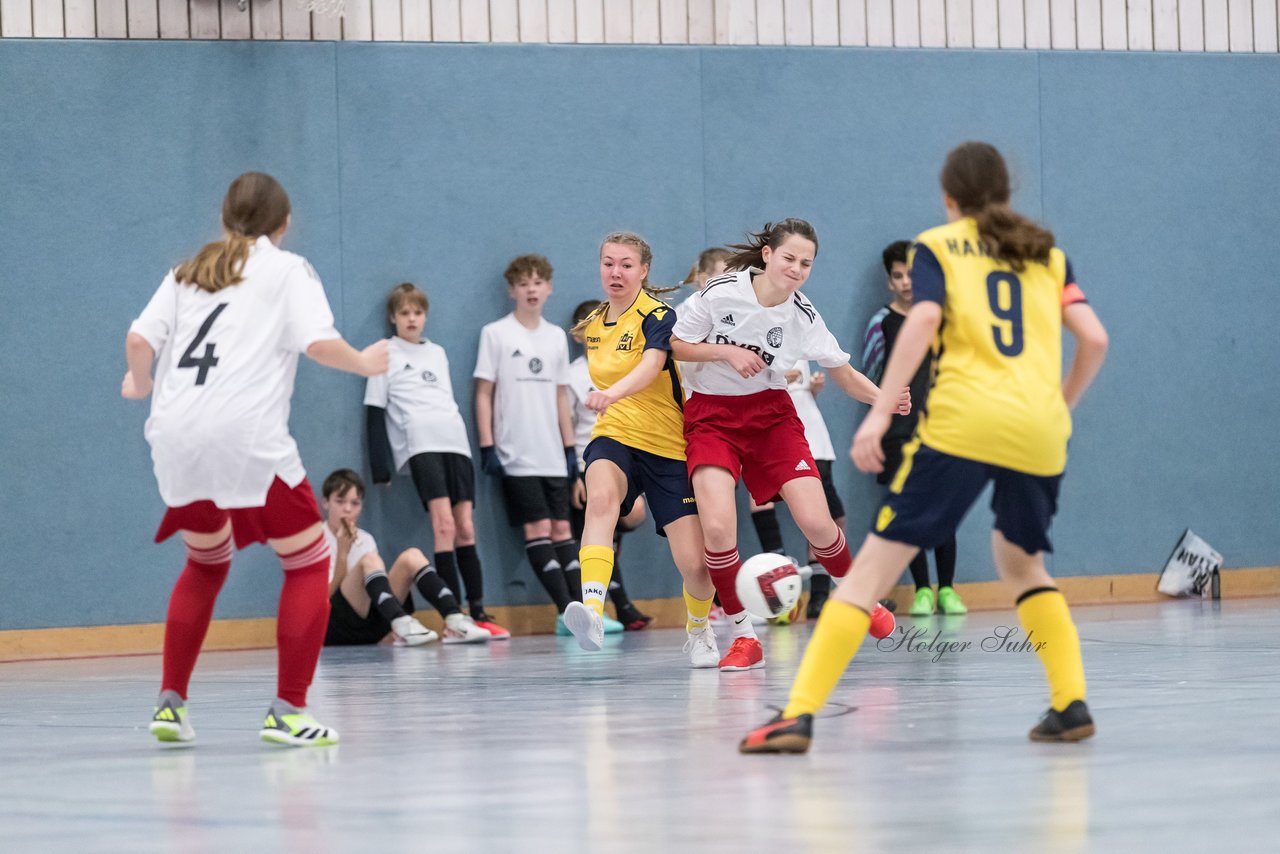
(663,482)
(532,499)
(441,475)
(834,504)
(347,628)
(932,491)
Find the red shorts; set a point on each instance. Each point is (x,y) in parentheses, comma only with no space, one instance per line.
(286,512)
(757,437)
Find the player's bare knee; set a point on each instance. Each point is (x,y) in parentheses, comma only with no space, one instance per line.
(560,529)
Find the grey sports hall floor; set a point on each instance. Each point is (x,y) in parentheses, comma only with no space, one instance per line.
(535,746)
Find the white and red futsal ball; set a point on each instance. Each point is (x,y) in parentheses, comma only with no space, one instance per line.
(769,585)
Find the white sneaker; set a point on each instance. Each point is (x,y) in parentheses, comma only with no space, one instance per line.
(459,628)
(409,632)
(586,625)
(702,648)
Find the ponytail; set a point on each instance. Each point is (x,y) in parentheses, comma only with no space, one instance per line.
(977,180)
(255,205)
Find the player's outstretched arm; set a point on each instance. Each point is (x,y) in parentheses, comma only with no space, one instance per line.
(1091,350)
(139,355)
(853,383)
(338,354)
(638,379)
(742,360)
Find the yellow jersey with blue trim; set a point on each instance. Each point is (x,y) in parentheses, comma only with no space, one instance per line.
(652,419)
(996,395)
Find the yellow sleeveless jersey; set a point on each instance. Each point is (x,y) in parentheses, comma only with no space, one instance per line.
(651,419)
(997,388)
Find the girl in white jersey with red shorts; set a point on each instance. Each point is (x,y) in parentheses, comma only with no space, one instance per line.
(744,331)
(225,330)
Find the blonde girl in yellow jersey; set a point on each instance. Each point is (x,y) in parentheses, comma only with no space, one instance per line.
(637,444)
(992,293)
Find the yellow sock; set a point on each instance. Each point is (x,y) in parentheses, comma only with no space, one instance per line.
(835,642)
(699,610)
(597,569)
(1048,625)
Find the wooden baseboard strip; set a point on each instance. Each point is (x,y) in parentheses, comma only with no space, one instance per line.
(260,633)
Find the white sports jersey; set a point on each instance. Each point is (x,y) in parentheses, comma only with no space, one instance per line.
(727,312)
(815,427)
(364,544)
(526,366)
(417,393)
(583,419)
(219,425)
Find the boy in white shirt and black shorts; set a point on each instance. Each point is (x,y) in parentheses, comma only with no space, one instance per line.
(413,424)
(367,601)
(526,429)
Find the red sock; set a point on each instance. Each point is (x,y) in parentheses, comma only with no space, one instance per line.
(835,558)
(190,609)
(723,567)
(302,619)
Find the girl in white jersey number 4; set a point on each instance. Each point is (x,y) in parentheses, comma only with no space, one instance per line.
(225,330)
(744,331)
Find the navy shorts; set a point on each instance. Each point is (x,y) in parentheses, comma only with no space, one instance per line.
(932,491)
(663,482)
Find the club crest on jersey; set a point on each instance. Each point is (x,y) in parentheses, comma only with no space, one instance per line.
(774,337)
(624,343)
(764,355)
(428,376)
(535,365)
(727,320)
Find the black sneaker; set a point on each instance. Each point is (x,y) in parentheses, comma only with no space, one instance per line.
(1073,723)
(780,735)
(631,618)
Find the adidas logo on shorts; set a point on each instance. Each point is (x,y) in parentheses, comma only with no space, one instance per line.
(727,320)
(803,466)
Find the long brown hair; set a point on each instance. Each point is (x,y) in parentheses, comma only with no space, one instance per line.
(255,205)
(976,178)
(773,235)
(635,241)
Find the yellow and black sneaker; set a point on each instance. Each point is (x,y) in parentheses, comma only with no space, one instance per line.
(170,723)
(780,735)
(296,729)
(1074,723)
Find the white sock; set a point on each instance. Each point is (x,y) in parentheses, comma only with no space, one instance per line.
(741,625)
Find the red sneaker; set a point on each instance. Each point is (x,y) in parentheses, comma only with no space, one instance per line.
(882,622)
(485,622)
(745,654)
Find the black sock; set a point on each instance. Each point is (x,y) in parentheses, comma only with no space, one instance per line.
(945,557)
(819,584)
(379,587)
(434,590)
(920,570)
(766,522)
(542,557)
(472,576)
(618,590)
(446,564)
(567,557)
